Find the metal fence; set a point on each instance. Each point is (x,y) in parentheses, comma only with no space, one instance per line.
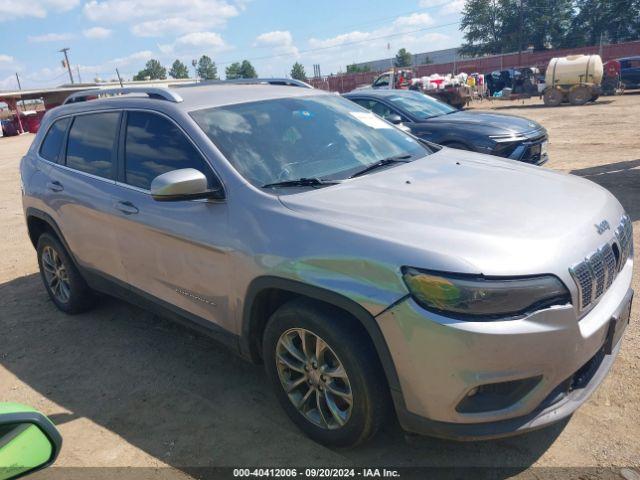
(347,82)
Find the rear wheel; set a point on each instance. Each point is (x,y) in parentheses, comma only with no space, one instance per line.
(64,284)
(326,376)
(580,95)
(552,97)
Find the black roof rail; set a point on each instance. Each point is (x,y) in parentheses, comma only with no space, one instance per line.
(158,93)
(287,82)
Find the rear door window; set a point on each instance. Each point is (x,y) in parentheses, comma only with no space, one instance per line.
(51,148)
(92,143)
(154,145)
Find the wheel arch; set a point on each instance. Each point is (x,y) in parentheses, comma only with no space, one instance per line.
(39,222)
(266,294)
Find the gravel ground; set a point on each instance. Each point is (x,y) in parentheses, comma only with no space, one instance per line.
(127,388)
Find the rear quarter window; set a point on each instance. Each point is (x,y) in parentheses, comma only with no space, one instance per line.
(51,148)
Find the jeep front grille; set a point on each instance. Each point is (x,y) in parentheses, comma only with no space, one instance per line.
(595,274)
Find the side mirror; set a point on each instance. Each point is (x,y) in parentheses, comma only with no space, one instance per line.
(28,441)
(394,118)
(183,184)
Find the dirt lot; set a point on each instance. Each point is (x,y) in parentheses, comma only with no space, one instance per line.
(129,389)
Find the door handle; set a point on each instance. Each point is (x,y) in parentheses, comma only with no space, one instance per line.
(127,208)
(55,186)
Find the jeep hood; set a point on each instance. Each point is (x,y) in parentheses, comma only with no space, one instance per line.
(469,212)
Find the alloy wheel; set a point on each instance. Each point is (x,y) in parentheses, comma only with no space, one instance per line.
(314,378)
(56,274)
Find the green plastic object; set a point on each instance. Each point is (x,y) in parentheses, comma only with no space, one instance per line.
(28,441)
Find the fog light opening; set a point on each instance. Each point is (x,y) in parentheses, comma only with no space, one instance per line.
(497,396)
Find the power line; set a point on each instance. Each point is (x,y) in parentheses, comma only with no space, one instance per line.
(346,44)
(372,22)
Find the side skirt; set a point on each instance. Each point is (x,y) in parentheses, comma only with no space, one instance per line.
(116,288)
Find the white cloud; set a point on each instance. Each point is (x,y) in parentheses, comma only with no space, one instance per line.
(409,31)
(156,18)
(6,58)
(453,7)
(164,26)
(13,9)
(97,32)
(280,41)
(50,37)
(8,83)
(448,8)
(341,39)
(409,24)
(276,38)
(143,55)
(197,41)
(415,20)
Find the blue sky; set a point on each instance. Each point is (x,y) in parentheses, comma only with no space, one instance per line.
(105,34)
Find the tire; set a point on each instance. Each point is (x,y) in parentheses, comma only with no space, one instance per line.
(552,97)
(364,377)
(580,95)
(64,284)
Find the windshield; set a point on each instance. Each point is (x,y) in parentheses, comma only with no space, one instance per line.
(420,105)
(324,137)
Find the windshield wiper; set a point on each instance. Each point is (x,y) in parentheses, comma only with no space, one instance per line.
(382,163)
(302,182)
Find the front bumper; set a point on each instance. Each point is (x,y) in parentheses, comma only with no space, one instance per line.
(441,361)
(532,150)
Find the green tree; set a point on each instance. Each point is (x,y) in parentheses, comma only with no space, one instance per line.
(610,20)
(247,70)
(153,69)
(483,26)
(240,70)
(297,72)
(206,68)
(233,71)
(545,23)
(358,69)
(179,70)
(403,58)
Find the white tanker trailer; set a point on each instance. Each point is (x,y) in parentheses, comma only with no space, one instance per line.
(575,79)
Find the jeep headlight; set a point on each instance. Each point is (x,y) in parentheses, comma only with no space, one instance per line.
(483,298)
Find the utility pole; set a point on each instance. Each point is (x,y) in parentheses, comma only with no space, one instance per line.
(520,34)
(19,87)
(119,77)
(78,72)
(66,61)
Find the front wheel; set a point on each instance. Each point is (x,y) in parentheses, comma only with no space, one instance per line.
(325,373)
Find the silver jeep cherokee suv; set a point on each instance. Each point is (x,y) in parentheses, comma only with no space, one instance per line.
(366,269)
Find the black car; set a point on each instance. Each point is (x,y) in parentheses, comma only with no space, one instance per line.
(495,134)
